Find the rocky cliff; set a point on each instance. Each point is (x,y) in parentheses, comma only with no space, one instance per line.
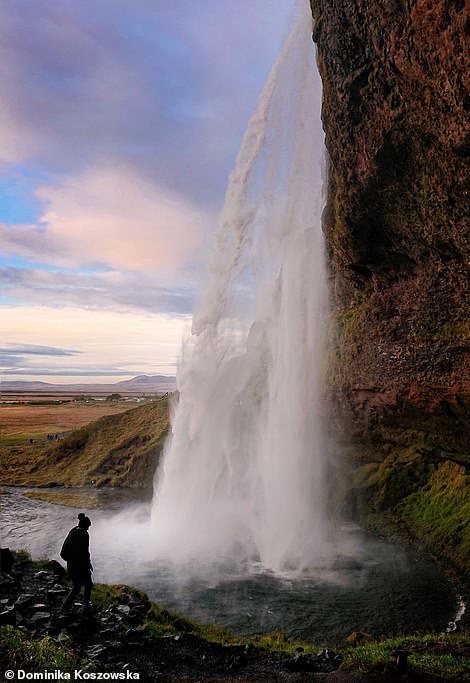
(395,76)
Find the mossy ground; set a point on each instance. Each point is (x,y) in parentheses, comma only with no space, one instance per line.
(446,656)
(439,512)
(426,497)
(17,651)
(76,499)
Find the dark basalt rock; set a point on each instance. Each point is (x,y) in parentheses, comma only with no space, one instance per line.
(24,600)
(323,661)
(38,618)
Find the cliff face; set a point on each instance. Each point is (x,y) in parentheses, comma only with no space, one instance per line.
(395,77)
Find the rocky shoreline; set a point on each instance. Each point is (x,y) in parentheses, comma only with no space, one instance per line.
(109,639)
(126,637)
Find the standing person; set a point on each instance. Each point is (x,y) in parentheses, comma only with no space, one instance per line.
(75,551)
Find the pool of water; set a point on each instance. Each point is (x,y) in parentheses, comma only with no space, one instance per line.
(374,586)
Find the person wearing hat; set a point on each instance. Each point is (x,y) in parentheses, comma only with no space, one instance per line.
(75,551)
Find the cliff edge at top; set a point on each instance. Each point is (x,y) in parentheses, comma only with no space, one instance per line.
(395,79)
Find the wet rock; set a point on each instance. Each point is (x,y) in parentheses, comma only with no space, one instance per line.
(401,659)
(55,594)
(38,607)
(96,651)
(24,600)
(324,661)
(7,581)
(107,632)
(8,617)
(39,618)
(64,639)
(347,563)
(325,655)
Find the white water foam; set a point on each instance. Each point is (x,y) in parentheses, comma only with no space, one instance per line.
(243,474)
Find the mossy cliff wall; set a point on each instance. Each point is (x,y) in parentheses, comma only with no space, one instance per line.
(395,77)
(395,81)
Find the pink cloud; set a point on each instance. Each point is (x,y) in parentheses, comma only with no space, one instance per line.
(109,216)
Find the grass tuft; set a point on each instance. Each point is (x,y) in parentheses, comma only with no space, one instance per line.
(18,652)
(445,655)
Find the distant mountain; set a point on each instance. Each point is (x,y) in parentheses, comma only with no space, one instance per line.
(22,385)
(141,383)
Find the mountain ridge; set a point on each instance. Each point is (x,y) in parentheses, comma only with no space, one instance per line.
(138,383)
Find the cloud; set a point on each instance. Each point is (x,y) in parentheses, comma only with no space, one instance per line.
(109,290)
(36,350)
(109,216)
(84,370)
(165,87)
(14,357)
(108,343)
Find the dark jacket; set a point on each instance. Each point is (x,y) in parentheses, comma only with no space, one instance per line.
(75,550)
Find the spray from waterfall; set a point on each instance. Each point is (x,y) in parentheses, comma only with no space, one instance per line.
(243,474)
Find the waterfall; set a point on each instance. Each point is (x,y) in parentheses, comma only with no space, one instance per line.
(244,472)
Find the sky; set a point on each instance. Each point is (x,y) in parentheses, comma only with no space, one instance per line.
(119,123)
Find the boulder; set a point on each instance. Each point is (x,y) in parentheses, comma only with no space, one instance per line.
(39,618)
(24,600)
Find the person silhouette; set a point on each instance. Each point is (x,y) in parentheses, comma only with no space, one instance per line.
(75,551)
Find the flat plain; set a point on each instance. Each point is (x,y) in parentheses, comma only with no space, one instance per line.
(33,416)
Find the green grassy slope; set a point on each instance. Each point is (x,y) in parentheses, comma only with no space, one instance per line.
(116,450)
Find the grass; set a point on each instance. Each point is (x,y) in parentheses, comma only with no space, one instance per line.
(17,651)
(446,656)
(116,450)
(34,421)
(439,513)
(88,501)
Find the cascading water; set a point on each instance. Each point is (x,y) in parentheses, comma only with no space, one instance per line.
(244,472)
